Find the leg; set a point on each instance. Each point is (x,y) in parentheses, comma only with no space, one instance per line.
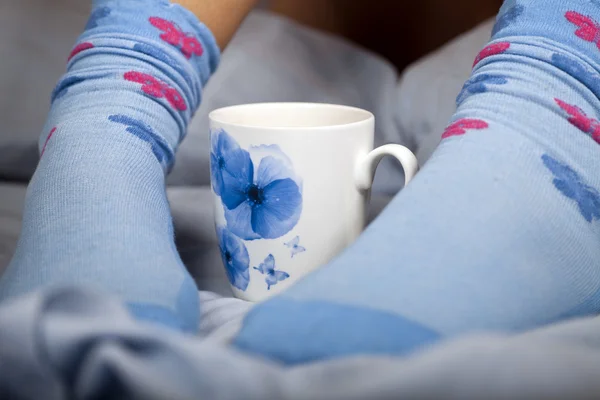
(96,212)
(499,231)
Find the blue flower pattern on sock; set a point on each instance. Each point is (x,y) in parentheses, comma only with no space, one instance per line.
(569,183)
(478,84)
(235,258)
(160,147)
(62,87)
(267,268)
(259,203)
(576,69)
(508,18)
(97,14)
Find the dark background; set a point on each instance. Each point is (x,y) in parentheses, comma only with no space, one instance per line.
(400,30)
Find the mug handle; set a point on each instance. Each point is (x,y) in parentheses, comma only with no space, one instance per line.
(364,173)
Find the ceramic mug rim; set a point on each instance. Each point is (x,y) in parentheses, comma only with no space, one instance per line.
(227,116)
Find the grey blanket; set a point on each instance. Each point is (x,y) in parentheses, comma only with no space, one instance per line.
(75,344)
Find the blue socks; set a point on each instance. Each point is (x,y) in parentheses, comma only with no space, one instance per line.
(96,212)
(500,231)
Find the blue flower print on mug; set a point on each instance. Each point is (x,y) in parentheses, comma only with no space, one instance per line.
(228,162)
(235,258)
(260,192)
(267,268)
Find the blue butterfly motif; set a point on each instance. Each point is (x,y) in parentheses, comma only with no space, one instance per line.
(479,84)
(97,14)
(295,247)
(272,276)
(570,184)
(161,149)
(578,70)
(63,87)
(508,18)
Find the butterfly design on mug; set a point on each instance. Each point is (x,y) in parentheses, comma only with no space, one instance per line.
(267,268)
(589,29)
(175,36)
(294,246)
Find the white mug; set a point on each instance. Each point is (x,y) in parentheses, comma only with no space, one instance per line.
(291,182)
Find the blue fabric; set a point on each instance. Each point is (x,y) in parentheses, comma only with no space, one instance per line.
(96,212)
(499,231)
(342,330)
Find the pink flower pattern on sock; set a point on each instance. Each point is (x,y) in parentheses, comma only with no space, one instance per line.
(579,119)
(79,48)
(491,50)
(155,88)
(461,127)
(172,34)
(589,29)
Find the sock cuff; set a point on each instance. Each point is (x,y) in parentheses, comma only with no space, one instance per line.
(141,64)
(168,28)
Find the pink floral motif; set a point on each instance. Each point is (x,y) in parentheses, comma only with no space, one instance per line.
(491,50)
(79,48)
(158,89)
(579,119)
(589,29)
(47,140)
(172,34)
(461,127)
